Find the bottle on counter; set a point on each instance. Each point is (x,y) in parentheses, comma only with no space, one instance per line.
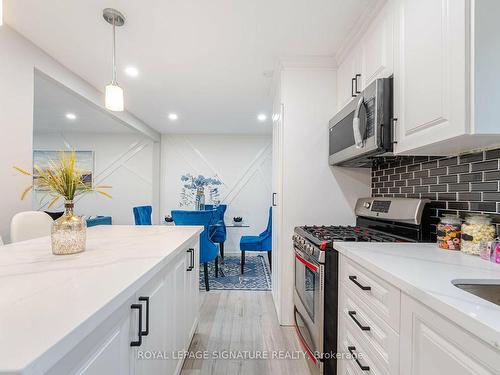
(475,229)
(449,232)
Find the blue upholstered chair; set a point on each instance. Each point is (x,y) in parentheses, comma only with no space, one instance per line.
(99,220)
(142,215)
(208,249)
(262,242)
(218,232)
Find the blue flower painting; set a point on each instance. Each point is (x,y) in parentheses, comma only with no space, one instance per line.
(192,184)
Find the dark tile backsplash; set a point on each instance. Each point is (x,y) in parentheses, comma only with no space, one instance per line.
(455,185)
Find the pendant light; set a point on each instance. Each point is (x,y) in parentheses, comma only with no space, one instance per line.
(114,93)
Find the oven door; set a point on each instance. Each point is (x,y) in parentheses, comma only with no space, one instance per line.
(308,301)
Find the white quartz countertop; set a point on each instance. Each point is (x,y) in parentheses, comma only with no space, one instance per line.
(425,272)
(49,303)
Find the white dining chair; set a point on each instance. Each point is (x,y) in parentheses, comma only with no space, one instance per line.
(30,224)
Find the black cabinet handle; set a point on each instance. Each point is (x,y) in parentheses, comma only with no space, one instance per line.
(274,199)
(352,314)
(138,306)
(355,356)
(145,299)
(191,260)
(356,91)
(354,279)
(352,88)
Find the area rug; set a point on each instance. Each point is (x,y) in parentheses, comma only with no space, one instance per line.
(256,276)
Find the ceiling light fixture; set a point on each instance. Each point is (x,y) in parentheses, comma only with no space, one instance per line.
(262,117)
(70,116)
(173,116)
(114,93)
(131,71)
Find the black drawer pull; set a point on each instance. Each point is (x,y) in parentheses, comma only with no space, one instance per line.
(352,314)
(146,299)
(354,279)
(138,306)
(191,260)
(352,88)
(355,356)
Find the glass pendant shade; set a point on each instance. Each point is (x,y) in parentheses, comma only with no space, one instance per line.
(114,97)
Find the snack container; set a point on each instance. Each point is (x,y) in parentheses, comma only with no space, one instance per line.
(485,250)
(476,229)
(449,232)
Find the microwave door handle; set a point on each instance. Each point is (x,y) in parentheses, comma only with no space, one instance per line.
(356,125)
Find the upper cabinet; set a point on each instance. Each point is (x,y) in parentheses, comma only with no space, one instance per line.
(446,84)
(430,96)
(443,56)
(369,59)
(377,48)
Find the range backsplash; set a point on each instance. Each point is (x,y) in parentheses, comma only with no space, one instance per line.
(456,185)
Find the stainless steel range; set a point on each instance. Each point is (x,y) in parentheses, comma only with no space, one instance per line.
(316,268)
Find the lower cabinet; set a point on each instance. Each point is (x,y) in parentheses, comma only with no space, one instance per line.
(423,343)
(431,344)
(149,333)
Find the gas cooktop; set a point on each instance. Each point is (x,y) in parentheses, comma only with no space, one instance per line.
(332,233)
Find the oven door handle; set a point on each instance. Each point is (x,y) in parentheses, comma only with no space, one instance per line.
(309,265)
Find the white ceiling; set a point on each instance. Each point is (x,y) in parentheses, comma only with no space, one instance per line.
(204,60)
(53,101)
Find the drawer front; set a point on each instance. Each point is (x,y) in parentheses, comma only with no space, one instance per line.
(367,363)
(382,340)
(380,296)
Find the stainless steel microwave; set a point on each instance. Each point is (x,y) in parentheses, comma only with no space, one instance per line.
(362,130)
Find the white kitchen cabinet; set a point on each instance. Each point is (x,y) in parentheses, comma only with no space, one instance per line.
(432,345)
(377,47)
(371,57)
(348,76)
(444,75)
(154,324)
(106,350)
(423,342)
(169,302)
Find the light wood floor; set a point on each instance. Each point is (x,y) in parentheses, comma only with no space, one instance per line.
(235,321)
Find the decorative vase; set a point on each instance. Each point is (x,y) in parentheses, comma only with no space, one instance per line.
(200,199)
(69,232)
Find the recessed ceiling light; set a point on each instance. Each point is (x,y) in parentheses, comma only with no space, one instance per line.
(70,116)
(131,71)
(262,117)
(173,116)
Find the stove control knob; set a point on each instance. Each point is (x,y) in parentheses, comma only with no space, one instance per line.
(367,205)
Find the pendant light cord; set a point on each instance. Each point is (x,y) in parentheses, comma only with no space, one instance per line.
(114,52)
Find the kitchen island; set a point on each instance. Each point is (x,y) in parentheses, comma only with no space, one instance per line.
(134,290)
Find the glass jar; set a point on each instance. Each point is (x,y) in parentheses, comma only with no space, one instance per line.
(449,232)
(476,228)
(69,232)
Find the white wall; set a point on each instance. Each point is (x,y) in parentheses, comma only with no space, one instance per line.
(122,160)
(312,193)
(243,163)
(18,59)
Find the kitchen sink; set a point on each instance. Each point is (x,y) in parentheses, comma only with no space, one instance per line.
(485,289)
